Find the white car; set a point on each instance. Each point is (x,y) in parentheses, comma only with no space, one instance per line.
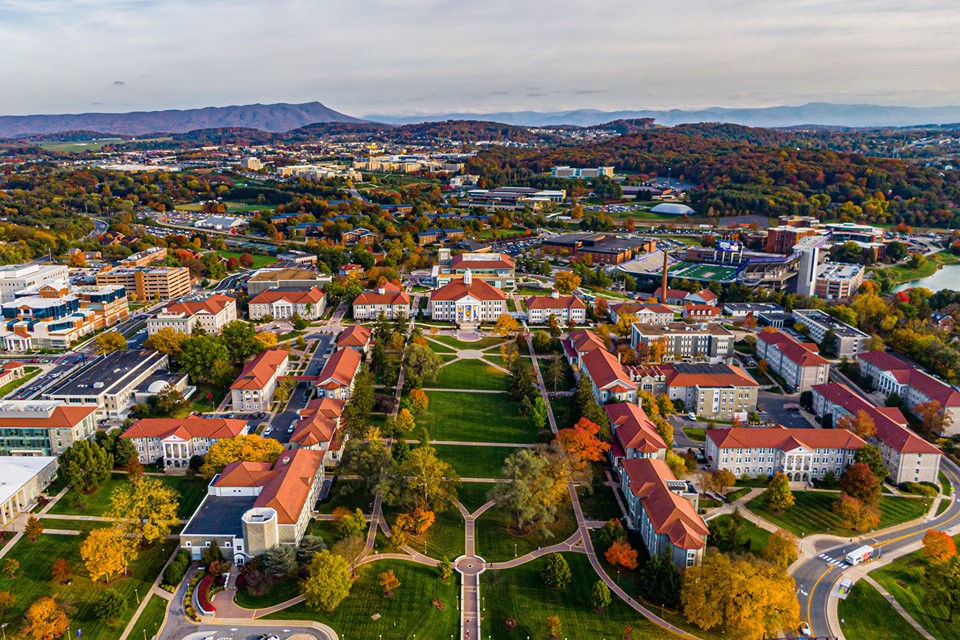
(692,416)
(268,431)
(805,629)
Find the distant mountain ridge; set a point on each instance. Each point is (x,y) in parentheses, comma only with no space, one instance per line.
(811,114)
(265,117)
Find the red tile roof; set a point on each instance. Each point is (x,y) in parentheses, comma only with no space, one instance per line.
(503,262)
(479,289)
(62,417)
(318,423)
(390,296)
(340,369)
(313,296)
(257,373)
(784,439)
(605,370)
(732,376)
(669,513)
(701,310)
(285,485)
(549,302)
(186,428)
(633,429)
(805,354)
(355,336)
(890,423)
(705,295)
(671,293)
(213,304)
(907,374)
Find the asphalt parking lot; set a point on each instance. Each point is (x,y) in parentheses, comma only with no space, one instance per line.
(772,409)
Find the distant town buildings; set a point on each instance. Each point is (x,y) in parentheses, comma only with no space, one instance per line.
(848,341)
(581,172)
(14,278)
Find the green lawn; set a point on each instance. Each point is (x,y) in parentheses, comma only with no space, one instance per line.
(866,615)
(601,504)
(33,581)
(74,502)
(278,592)
(495,543)
(409,612)
(482,343)
(565,411)
(351,494)
(442,349)
(473,495)
(207,397)
(697,434)
(903,579)
(73,525)
(469,374)
(945,487)
(480,417)
(19,382)
(148,624)
(474,462)
(444,538)
(813,512)
(258,259)
(757,536)
(737,493)
(520,593)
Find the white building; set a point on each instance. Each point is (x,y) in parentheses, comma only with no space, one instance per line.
(13,277)
(254,388)
(283,304)
(566,309)
(24,479)
(176,440)
(210,313)
(467,301)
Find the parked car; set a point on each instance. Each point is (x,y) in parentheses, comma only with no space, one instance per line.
(692,416)
(805,629)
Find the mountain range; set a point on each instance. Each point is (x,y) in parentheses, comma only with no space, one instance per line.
(282,117)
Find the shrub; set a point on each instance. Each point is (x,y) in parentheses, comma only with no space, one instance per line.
(919,488)
(177,568)
(203,594)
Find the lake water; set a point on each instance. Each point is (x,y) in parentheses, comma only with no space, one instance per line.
(946,278)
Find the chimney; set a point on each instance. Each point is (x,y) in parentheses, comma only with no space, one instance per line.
(381,290)
(555,294)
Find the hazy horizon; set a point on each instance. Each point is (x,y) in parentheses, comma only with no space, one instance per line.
(422,57)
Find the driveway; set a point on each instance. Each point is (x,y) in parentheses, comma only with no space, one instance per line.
(282,422)
(774,411)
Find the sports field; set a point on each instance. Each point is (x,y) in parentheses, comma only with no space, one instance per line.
(704,272)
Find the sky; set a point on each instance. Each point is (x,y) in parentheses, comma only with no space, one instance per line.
(413,57)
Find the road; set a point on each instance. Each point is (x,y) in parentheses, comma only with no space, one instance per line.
(817,576)
(232,281)
(251,630)
(283,421)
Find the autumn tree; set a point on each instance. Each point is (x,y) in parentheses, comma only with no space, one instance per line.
(723,480)
(203,357)
(110,341)
(422,480)
(86,465)
(621,554)
(556,574)
(328,581)
(419,365)
(7,601)
(554,627)
(859,482)
(416,522)
(33,529)
(600,595)
(266,340)
(404,423)
(781,549)
(166,340)
(45,619)
(349,523)
(506,325)
(146,509)
(531,493)
(419,401)
(871,456)
(10,567)
(555,374)
(581,441)
(856,515)
(938,546)
(566,282)
(610,532)
(107,552)
(389,582)
(244,448)
(933,419)
(60,571)
(778,496)
(751,599)
(860,423)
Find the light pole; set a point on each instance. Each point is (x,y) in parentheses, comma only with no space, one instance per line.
(137,595)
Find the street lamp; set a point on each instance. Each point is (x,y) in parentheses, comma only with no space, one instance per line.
(137,595)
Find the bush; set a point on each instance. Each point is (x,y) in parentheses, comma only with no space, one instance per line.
(203,594)
(177,568)
(919,488)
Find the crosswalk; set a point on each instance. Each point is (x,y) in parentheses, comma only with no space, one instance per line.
(833,561)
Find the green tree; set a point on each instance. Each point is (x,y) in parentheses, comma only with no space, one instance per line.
(419,364)
(942,585)
(521,380)
(109,605)
(600,595)
(356,414)
(778,496)
(279,562)
(240,339)
(556,574)
(368,458)
(328,581)
(110,341)
(201,355)
(530,494)
(422,480)
(86,465)
(168,403)
(555,373)
(871,456)
(166,340)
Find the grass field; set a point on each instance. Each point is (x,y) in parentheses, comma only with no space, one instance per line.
(757,536)
(469,374)
(409,612)
(704,272)
(473,495)
(601,504)
(444,538)
(191,492)
(474,462)
(697,434)
(866,615)
(72,525)
(482,343)
(278,592)
(813,513)
(481,417)
(258,260)
(565,411)
(33,581)
(495,543)
(232,207)
(200,402)
(519,593)
(148,624)
(442,349)
(903,579)
(351,494)
(737,494)
(29,374)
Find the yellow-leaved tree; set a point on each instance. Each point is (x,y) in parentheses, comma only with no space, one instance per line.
(45,620)
(250,448)
(146,509)
(107,552)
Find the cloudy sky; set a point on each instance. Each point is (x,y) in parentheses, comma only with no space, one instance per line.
(435,56)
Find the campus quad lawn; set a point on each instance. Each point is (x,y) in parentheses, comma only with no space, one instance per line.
(495,542)
(440,348)
(473,461)
(444,538)
(473,495)
(482,343)
(813,512)
(410,611)
(191,492)
(469,374)
(33,581)
(258,260)
(564,411)
(909,570)
(278,592)
(148,624)
(200,401)
(736,494)
(520,593)
(474,417)
(757,536)
(601,505)
(867,615)
(350,494)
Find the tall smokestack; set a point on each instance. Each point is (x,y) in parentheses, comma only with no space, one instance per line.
(666,269)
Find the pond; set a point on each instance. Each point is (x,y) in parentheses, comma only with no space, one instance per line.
(946,278)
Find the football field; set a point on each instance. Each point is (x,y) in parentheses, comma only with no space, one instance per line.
(704,272)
